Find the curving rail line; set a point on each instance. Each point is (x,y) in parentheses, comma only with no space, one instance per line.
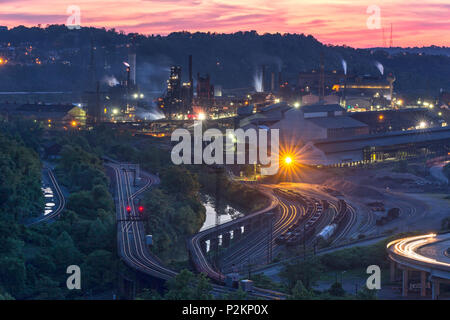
(131,237)
(131,232)
(61,201)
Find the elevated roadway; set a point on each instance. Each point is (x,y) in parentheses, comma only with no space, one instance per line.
(428,254)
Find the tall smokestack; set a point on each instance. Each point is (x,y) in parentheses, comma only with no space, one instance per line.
(321,79)
(128,77)
(344,103)
(272,82)
(98,112)
(190,67)
(132,62)
(191,81)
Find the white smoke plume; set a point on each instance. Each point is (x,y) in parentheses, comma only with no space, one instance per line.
(110,81)
(257,81)
(379,67)
(344,66)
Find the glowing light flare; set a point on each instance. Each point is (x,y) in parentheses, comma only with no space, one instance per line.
(422,125)
(201,116)
(289,162)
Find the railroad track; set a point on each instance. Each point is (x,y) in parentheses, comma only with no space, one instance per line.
(295,216)
(257,247)
(351,213)
(61,201)
(131,236)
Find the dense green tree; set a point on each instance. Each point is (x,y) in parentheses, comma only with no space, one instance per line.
(148,294)
(13,273)
(239,294)
(5,296)
(366,294)
(65,253)
(98,270)
(48,289)
(179,180)
(187,286)
(299,292)
(336,290)
(307,271)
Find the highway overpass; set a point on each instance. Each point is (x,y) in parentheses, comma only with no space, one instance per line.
(427,254)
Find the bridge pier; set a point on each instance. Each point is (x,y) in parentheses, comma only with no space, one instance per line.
(405,282)
(435,289)
(237,233)
(392,271)
(213,243)
(423,283)
(226,239)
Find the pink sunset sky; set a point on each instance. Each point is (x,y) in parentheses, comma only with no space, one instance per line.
(415,23)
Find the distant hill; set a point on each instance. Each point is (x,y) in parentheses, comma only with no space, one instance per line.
(230,59)
(432,50)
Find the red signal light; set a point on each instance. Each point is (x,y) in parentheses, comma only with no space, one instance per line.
(141,209)
(128,209)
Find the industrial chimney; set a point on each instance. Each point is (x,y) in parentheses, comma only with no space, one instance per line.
(272,82)
(132,62)
(191,82)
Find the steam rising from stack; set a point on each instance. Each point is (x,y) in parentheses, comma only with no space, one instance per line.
(379,67)
(257,82)
(110,81)
(344,66)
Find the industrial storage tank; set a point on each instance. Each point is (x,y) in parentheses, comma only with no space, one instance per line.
(327,232)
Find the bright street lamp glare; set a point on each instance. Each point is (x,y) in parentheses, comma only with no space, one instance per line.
(288,160)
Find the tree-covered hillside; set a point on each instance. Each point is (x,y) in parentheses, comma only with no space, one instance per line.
(230,59)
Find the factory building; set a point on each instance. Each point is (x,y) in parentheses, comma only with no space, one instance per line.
(398,120)
(308,122)
(310,81)
(179,95)
(379,147)
(363,92)
(205,91)
(52,116)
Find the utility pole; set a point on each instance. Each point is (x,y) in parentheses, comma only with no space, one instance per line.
(322,78)
(304,242)
(270,237)
(390,40)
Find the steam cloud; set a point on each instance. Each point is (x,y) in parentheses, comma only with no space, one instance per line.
(379,67)
(344,66)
